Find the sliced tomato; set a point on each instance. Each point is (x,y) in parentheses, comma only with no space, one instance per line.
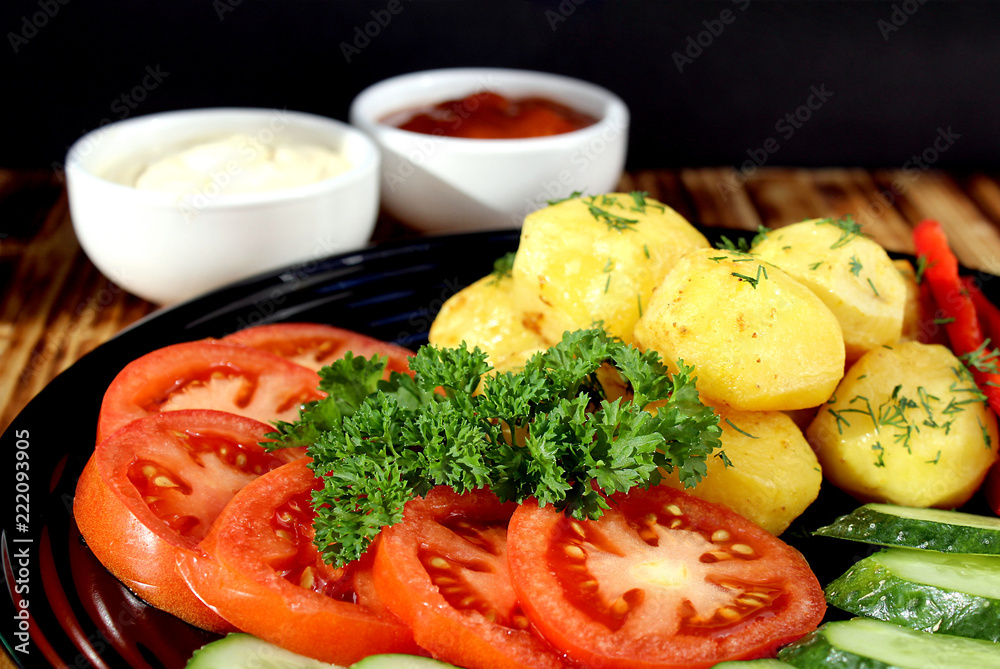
(663,579)
(314,345)
(443,570)
(153,489)
(208,374)
(259,569)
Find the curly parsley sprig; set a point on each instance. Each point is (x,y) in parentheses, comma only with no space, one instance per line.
(550,431)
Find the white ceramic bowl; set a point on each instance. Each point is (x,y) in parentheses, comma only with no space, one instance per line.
(167,248)
(439,184)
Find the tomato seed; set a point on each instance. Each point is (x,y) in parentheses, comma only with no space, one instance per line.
(148,471)
(751,602)
(673,510)
(648,535)
(578,530)
(729,613)
(163,481)
(763,597)
(721,556)
(439,563)
(720,535)
(590,586)
(742,549)
(467,601)
(491,615)
(675,523)
(520,622)
(619,608)
(241,460)
(308,578)
(574,552)
(285,535)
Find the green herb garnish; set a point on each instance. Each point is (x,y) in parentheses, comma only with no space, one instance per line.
(503,268)
(849,229)
(549,432)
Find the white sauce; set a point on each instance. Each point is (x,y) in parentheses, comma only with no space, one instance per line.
(240,164)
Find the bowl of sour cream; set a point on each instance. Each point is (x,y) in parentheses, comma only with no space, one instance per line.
(175,204)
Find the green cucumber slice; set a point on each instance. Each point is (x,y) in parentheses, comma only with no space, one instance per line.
(243,651)
(929,529)
(925,590)
(400,661)
(866,643)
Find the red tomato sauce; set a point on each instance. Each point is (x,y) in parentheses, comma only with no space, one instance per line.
(492,116)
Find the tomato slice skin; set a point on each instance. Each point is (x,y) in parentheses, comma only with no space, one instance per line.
(207,374)
(259,569)
(443,571)
(314,345)
(153,489)
(630,590)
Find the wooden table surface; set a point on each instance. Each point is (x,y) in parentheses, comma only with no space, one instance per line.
(57,306)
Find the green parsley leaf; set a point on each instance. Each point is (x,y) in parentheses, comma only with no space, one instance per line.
(549,431)
(503,268)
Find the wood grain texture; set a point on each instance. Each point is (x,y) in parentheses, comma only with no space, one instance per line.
(57,306)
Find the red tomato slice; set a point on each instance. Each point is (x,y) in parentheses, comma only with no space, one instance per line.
(443,570)
(153,489)
(314,346)
(207,375)
(260,570)
(663,579)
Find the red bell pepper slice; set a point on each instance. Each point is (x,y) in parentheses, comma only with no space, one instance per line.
(989,313)
(956,305)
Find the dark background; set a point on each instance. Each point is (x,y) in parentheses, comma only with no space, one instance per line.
(897,73)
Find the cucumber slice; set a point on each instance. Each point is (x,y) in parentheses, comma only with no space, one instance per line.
(243,651)
(925,590)
(930,529)
(400,661)
(865,643)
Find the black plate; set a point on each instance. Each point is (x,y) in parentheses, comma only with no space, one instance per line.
(78,614)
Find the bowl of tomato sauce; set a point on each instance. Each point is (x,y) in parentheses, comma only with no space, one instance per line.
(480,148)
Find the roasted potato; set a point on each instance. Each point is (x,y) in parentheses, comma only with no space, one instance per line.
(759,340)
(907,426)
(485,314)
(594,261)
(851,273)
(913,316)
(774,474)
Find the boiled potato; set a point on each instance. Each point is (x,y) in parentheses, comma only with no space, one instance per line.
(759,339)
(594,261)
(913,316)
(851,273)
(906,426)
(774,474)
(484,314)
